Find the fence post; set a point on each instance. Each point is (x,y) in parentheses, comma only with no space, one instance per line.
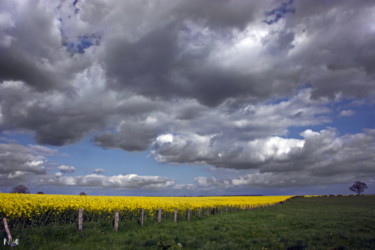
(117,217)
(175,215)
(208,211)
(199,212)
(159,215)
(188,214)
(226,209)
(9,236)
(80,222)
(142,216)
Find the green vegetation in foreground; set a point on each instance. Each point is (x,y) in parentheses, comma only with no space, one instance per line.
(302,223)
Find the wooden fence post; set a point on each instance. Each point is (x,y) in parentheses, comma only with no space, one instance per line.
(80,219)
(142,216)
(159,215)
(199,212)
(208,211)
(188,214)
(9,236)
(226,209)
(117,217)
(175,215)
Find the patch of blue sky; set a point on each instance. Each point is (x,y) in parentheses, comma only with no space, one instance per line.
(276,14)
(85,157)
(82,43)
(359,118)
(20,138)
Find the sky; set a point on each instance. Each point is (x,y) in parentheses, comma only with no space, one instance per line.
(187,98)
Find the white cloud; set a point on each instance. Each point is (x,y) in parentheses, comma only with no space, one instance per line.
(98,171)
(166,138)
(276,148)
(213,150)
(205,181)
(66,169)
(130,181)
(346,113)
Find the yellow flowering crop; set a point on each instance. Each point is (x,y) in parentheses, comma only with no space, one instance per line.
(36,206)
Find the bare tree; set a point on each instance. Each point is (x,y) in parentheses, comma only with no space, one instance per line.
(20,189)
(358,187)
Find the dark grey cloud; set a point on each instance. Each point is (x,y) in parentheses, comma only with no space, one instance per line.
(187,55)
(55,118)
(130,138)
(32,48)
(222,14)
(173,58)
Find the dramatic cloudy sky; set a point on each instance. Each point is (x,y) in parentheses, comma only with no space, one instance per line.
(177,97)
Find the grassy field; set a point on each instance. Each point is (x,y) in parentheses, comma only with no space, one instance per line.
(302,223)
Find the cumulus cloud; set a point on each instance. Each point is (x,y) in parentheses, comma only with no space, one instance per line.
(346,113)
(130,181)
(319,158)
(98,171)
(227,122)
(19,163)
(66,169)
(209,150)
(323,148)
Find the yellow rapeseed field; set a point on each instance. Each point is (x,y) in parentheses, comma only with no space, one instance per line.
(34,206)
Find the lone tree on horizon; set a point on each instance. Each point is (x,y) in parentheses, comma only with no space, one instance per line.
(358,187)
(20,189)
